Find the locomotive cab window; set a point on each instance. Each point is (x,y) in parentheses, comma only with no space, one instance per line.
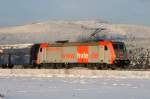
(115,46)
(121,47)
(40,49)
(105,48)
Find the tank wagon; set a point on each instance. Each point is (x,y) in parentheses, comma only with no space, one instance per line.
(20,57)
(94,55)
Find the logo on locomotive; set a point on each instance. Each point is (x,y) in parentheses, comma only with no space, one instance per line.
(82,55)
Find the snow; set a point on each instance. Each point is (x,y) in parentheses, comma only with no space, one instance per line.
(75,73)
(73,88)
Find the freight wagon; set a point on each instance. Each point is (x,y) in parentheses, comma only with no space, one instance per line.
(15,57)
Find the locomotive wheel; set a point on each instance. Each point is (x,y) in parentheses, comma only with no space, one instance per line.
(113,67)
(89,66)
(104,66)
(92,66)
(98,66)
(67,66)
(59,66)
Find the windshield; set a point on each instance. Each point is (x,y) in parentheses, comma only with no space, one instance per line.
(118,46)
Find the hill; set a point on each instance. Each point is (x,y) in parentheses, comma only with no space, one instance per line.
(51,31)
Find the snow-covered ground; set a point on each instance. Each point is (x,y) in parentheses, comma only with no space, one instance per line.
(75,73)
(73,88)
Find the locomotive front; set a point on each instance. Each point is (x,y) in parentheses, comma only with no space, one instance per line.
(121,54)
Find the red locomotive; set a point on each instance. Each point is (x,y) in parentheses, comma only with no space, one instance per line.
(100,55)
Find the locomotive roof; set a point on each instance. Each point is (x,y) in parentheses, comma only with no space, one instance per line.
(81,43)
(117,42)
(91,43)
(73,43)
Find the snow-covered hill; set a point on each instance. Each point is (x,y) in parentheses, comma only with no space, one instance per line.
(69,30)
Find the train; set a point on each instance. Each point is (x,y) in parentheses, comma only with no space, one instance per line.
(102,54)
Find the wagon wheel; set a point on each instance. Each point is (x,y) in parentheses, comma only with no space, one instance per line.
(10,66)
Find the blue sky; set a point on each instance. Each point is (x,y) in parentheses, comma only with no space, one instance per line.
(18,12)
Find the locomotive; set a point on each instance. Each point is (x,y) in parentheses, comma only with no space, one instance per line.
(101,54)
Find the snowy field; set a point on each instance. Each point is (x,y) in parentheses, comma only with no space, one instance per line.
(73,88)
